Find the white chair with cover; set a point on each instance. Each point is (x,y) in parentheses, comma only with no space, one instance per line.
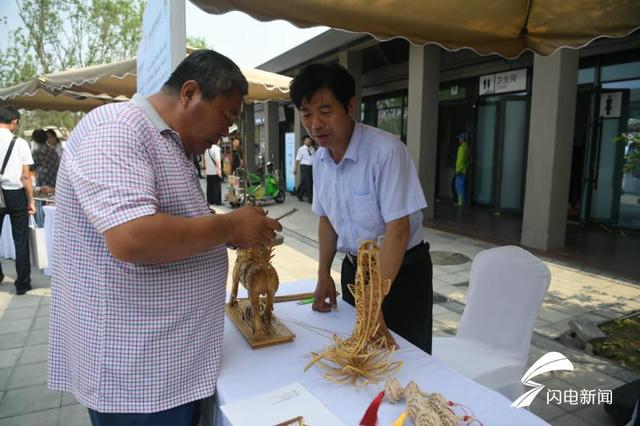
(506,289)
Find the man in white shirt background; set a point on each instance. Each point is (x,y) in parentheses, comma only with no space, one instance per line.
(18,193)
(213,166)
(304,163)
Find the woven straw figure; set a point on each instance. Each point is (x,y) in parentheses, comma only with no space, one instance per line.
(365,357)
(254,271)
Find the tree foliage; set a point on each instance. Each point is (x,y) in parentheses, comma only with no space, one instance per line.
(196,42)
(55,35)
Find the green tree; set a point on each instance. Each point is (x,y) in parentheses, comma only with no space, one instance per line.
(54,35)
(195,42)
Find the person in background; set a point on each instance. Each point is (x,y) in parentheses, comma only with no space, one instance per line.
(18,194)
(45,159)
(365,186)
(196,163)
(46,162)
(304,163)
(213,168)
(462,164)
(237,159)
(54,141)
(139,262)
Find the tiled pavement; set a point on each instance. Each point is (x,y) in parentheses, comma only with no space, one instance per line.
(25,401)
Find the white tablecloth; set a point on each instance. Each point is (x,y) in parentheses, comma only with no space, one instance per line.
(248,373)
(7,248)
(49,220)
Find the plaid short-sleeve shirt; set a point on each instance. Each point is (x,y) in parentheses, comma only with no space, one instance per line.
(126,337)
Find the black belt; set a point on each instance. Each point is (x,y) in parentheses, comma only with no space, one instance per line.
(352,259)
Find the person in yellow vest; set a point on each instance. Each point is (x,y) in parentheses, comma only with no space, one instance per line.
(462,161)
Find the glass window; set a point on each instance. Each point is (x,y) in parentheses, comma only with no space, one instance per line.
(630,70)
(387,113)
(390,119)
(452,92)
(586,76)
(389,102)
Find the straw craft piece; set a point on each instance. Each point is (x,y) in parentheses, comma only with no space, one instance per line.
(365,357)
(253,269)
(425,409)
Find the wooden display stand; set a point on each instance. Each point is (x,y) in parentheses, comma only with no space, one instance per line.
(277,332)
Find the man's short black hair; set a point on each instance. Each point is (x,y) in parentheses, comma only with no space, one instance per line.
(320,76)
(215,73)
(39,136)
(8,114)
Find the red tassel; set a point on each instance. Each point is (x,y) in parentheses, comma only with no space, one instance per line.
(370,417)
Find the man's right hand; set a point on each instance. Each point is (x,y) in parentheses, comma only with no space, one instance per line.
(326,287)
(250,227)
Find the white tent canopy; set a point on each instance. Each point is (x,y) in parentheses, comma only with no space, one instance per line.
(82,89)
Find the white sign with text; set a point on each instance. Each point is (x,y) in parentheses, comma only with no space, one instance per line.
(163,44)
(504,82)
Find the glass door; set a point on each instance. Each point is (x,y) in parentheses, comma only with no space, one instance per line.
(513,153)
(484,158)
(607,156)
(500,153)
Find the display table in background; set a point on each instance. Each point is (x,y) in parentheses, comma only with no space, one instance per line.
(246,373)
(7,248)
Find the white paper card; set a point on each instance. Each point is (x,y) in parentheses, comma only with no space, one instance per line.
(280,405)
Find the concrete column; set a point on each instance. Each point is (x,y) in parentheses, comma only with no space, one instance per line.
(299,131)
(422,120)
(553,105)
(272,133)
(352,61)
(249,135)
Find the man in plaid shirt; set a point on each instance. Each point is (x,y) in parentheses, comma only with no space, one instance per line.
(139,263)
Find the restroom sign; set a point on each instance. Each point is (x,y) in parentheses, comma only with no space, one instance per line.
(610,104)
(504,82)
(487,84)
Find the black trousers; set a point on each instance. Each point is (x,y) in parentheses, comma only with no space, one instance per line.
(214,189)
(16,202)
(408,307)
(306,182)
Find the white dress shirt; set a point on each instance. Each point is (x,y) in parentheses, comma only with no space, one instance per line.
(20,156)
(375,183)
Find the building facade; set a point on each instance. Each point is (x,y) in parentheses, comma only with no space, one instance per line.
(552,140)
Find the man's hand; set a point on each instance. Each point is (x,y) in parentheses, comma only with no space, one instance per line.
(295,172)
(31,208)
(326,287)
(250,227)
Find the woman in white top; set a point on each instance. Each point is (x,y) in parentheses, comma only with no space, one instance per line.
(213,166)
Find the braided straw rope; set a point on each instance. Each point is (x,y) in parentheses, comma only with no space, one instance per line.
(425,409)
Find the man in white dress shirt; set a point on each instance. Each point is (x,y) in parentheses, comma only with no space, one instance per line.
(365,186)
(213,168)
(18,193)
(304,163)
